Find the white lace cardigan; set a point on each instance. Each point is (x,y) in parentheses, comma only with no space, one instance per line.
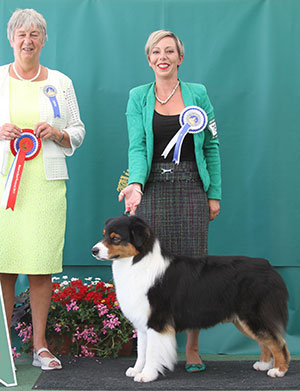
(53,154)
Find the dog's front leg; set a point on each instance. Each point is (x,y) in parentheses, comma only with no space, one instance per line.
(161,353)
(141,354)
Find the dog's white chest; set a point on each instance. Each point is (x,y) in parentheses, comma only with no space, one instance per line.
(132,283)
(131,292)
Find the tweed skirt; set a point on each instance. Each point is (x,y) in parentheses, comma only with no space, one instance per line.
(175,206)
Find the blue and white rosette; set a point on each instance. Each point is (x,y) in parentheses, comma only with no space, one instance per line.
(193,119)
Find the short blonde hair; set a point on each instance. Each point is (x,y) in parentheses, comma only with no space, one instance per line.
(26,18)
(160,34)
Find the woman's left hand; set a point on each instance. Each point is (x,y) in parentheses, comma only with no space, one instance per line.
(214,208)
(46,131)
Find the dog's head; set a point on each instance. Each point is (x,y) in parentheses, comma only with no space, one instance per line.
(124,237)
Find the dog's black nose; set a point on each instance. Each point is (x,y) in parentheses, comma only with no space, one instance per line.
(95,250)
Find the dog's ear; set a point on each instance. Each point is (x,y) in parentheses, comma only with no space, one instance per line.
(140,233)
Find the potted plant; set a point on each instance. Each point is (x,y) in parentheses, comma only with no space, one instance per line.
(84,319)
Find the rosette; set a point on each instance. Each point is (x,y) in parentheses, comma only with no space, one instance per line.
(26,147)
(193,119)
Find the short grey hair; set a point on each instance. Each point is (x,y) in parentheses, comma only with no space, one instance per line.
(26,18)
(160,34)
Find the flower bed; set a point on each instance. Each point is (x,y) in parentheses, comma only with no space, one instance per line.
(84,318)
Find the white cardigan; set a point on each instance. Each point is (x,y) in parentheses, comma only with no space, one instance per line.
(69,120)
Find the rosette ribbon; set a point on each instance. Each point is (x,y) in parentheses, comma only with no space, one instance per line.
(193,119)
(51,92)
(26,147)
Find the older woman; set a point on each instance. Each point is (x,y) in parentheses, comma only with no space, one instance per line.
(32,231)
(179,199)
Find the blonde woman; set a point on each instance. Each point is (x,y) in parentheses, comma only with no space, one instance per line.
(177,200)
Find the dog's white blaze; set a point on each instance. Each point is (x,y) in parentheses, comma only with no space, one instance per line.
(103,251)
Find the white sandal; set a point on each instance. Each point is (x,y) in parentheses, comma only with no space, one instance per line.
(44,362)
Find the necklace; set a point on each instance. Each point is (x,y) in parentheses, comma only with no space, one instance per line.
(169,97)
(21,78)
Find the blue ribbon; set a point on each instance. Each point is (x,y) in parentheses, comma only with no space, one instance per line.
(183,132)
(51,93)
(54,103)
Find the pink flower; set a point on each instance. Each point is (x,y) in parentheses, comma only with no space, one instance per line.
(72,306)
(15,354)
(111,323)
(85,352)
(25,331)
(58,328)
(102,309)
(87,335)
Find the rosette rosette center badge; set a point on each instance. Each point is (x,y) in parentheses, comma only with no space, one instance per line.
(193,119)
(26,147)
(27,144)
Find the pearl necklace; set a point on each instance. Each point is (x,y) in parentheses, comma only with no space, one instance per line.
(169,97)
(21,78)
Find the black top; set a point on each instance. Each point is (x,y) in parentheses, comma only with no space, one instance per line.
(164,128)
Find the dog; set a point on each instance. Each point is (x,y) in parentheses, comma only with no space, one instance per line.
(162,294)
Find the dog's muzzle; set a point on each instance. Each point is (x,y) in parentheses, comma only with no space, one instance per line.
(100,252)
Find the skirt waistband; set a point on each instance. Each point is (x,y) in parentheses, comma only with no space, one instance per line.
(184,171)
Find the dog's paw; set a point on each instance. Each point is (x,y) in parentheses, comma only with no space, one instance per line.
(145,377)
(131,372)
(262,365)
(275,372)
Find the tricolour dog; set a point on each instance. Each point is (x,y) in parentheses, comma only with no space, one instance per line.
(161,294)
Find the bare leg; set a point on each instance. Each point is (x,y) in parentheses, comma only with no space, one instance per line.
(40,297)
(8,282)
(191,348)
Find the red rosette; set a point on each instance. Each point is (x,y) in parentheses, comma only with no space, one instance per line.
(27,142)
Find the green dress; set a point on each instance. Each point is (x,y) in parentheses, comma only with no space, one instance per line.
(32,236)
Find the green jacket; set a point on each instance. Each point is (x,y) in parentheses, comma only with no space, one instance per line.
(140,110)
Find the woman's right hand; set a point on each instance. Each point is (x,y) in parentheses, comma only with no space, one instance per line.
(133,197)
(10,132)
